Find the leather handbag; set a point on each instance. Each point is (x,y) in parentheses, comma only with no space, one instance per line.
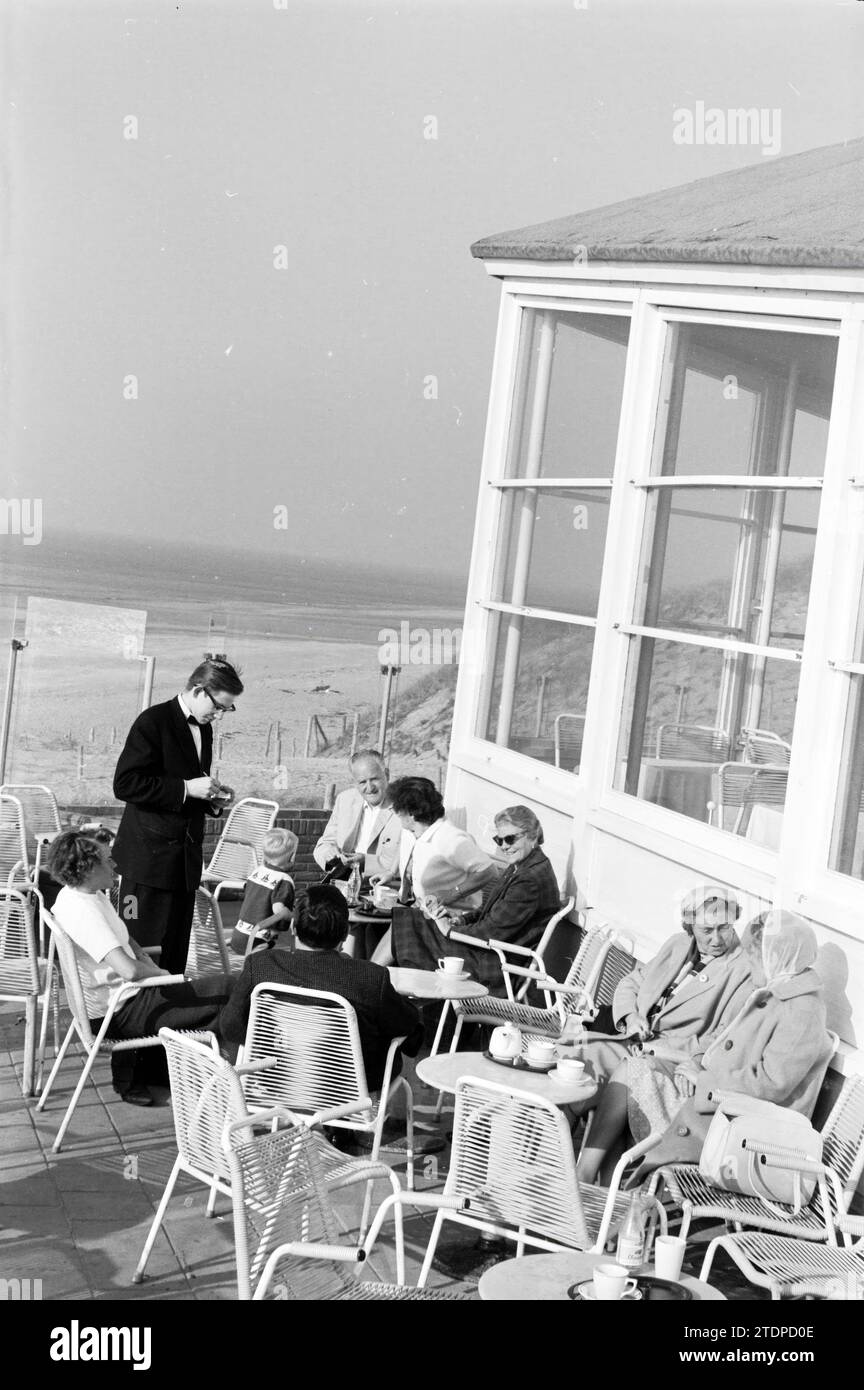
(727,1163)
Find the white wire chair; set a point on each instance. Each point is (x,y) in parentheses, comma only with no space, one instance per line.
(837,1178)
(513,1161)
(208,952)
(238,850)
(568,742)
(288,1241)
(600,964)
(693,743)
(26,974)
(41,817)
(84,1006)
(795,1268)
(739,787)
(315,1038)
(15,867)
(763,746)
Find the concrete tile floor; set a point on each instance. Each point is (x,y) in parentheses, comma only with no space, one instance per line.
(78,1220)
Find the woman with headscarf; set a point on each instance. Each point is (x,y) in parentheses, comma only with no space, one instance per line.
(776,1048)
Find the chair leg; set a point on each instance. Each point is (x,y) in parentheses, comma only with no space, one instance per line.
(61,1053)
(457,1033)
(47,999)
(29,1045)
(430,1249)
(138,1276)
(211,1200)
(439,1031)
(76,1095)
(709,1257)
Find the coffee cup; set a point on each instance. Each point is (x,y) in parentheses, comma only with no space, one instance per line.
(611,1283)
(451,965)
(384,897)
(570,1069)
(540,1050)
(669,1256)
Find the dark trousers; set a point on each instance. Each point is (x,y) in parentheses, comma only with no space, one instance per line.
(193,1005)
(159,917)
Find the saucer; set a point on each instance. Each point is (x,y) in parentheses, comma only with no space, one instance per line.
(453,975)
(585,1290)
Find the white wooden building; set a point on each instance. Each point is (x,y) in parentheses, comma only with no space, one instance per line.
(664,637)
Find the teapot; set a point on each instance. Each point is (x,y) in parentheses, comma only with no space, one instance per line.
(506,1041)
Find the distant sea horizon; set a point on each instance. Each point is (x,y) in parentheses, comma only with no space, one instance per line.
(239,593)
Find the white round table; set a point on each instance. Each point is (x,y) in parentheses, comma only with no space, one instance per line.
(544,1278)
(433,984)
(444,1070)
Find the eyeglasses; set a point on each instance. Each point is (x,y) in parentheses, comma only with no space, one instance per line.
(219,709)
(502,840)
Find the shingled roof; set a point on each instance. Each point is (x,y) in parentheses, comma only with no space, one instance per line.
(805,210)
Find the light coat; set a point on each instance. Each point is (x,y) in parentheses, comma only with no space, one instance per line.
(342,829)
(707,999)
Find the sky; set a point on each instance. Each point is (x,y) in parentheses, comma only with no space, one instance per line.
(169,376)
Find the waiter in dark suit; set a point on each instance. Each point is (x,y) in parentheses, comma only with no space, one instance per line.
(163,775)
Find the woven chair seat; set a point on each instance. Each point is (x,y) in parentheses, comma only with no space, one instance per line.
(494,1011)
(787,1261)
(395,1293)
(686,1184)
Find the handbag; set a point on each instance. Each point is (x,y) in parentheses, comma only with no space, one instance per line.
(726,1162)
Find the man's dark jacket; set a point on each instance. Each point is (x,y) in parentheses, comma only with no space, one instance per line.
(161,834)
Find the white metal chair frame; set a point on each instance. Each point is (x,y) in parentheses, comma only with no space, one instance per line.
(281,1184)
(80,1026)
(794,1268)
(527,974)
(26,973)
(602,961)
(764,746)
(238,850)
(208,951)
(570,744)
(745,785)
(512,1159)
(836,1180)
(41,816)
(689,740)
(315,1039)
(14,853)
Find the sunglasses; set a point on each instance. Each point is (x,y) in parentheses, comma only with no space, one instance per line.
(502,840)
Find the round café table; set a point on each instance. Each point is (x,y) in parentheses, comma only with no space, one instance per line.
(434,984)
(544,1278)
(444,1070)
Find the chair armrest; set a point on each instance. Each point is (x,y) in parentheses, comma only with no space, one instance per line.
(47,837)
(787,1159)
(433,1201)
(263,1064)
(626,1158)
(351,1254)
(477,942)
(152,951)
(851,1225)
(337,1112)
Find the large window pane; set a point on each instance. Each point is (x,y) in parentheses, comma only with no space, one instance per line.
(538,689)
(741,401)
(551,553)
(707,733)
(730,562)
(568,394)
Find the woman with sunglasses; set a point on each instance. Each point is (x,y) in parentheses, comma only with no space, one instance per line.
(516,910)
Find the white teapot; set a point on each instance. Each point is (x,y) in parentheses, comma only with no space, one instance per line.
(506,1041)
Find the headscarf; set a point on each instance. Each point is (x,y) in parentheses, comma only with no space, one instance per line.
(788,946)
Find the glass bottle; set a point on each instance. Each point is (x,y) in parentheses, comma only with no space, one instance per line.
(631,1236)
(354,884)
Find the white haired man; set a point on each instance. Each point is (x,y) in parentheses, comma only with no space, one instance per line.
(362,824)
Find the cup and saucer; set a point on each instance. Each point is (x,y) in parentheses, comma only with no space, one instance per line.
(452,968)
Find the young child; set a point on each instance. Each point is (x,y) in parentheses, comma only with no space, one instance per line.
(269,897)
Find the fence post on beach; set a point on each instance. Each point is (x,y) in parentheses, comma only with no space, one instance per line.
(541,703)
(354,729)
(277,750)
(269,736)
(113,734)
(329,796)
(293,747)
(80,762)
(309,724)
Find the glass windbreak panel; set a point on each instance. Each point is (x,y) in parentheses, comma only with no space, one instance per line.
(552,547)
(730,562)
(707,733)
(744,400)
(79,683)
(847,848)
(539,689)
(567,400)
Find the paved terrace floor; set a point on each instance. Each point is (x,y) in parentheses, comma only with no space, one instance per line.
(77,1220)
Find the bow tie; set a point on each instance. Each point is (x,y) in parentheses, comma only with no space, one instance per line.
(190,719)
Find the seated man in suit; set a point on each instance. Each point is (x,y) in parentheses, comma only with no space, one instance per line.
(362,824)
(320,927)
